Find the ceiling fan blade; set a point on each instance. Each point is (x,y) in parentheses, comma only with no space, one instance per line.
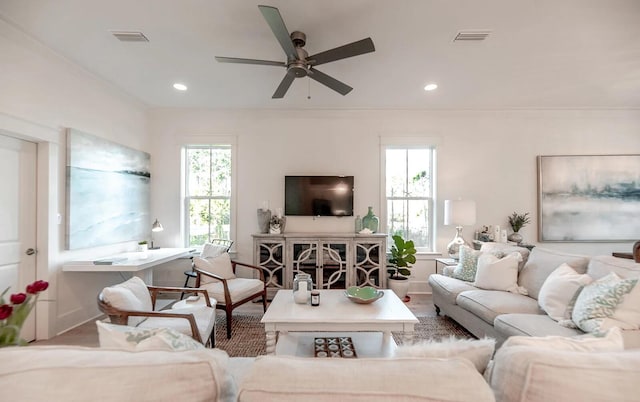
(284,86)
(275,21)
(250,61)
(352,49)
(331,82)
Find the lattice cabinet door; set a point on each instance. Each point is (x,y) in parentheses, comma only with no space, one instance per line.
(334,263)
(304,259)
(325,260)
(269,254)
(369,263)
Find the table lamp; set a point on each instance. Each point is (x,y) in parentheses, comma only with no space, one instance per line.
(460,213)
(156,227)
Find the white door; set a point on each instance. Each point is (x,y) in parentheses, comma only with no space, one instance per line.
(18,220)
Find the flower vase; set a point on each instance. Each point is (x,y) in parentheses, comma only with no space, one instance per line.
(264,217)
(370,221)
(515,237)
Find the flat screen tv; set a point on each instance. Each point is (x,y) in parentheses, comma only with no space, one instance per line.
(318,195)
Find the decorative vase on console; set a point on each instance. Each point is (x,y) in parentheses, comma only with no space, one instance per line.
(264,218)
(517,221)
(370,221)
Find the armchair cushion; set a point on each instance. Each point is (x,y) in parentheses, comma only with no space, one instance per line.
(131,295)
(213,250)
(132,338)
(205,320)
(220,265)
(239,289)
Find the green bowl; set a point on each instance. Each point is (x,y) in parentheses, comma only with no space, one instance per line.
(363,295)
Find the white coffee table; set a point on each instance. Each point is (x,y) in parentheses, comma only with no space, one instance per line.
(337,314)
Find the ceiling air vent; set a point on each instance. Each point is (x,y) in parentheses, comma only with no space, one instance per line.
(130,36)
(473,36)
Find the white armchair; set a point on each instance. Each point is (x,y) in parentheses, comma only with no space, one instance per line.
(133,303)
(217,275)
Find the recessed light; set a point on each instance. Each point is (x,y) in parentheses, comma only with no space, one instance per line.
(430,87)
(180,87)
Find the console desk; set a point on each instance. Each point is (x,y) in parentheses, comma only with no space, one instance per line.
(138,263)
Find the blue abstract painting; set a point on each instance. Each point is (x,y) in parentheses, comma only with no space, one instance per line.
(107,192)
(590,198)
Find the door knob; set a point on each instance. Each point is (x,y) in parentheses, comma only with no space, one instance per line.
(30,251)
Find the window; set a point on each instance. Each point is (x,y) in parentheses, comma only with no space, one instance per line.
(409,187)
(208,190)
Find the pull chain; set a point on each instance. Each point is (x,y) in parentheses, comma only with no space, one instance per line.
(308,88)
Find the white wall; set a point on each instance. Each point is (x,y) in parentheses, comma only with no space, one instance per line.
(487,156)
(41,94)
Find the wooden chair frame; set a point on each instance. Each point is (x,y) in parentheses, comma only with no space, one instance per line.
(227,305)
(121,317)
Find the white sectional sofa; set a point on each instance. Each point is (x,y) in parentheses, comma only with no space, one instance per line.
(519,373)
(500,314)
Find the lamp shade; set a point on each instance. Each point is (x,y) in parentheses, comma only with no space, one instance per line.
(459,212)
(157,226)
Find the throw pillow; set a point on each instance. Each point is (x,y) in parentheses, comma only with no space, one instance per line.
(559,289)
(611,342)
(212,250)
(131,338)
(467,264)
(596,305)
(131,295)
(495,273)
(478,351)
(220,265)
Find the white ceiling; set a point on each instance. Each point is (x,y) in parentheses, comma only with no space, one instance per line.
(540,54)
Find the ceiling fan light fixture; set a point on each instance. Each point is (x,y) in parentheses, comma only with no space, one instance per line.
(179,86)
(430,87)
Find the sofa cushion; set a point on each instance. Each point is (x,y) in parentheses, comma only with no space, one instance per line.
(600,266)
(488,304)
(495,273)
(477,351)
(362,380)
(611,342)
(506,248)
(448,287)
(533,374)
(558,291)
(72,373)
(467,264)
(596,308)
(531,325)
(541,263)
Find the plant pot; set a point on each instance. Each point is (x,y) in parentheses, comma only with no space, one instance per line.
(399,286)
(515,237)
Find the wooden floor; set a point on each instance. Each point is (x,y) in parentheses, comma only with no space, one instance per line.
(87,334)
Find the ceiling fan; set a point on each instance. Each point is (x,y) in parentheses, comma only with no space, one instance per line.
(299,63)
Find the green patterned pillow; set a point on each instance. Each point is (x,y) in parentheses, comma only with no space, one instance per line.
(598,301)
(467,265)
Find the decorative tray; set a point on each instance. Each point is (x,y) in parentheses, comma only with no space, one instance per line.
(334,347)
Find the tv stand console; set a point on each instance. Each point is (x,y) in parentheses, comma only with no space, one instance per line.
(334,260)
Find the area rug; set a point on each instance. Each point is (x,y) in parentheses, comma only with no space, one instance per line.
(248,338)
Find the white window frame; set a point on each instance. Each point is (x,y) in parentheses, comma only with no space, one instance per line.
(394,142)
(208,142)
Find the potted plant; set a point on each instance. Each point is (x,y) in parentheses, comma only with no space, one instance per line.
(517,222)
(403,254)
(142,245)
